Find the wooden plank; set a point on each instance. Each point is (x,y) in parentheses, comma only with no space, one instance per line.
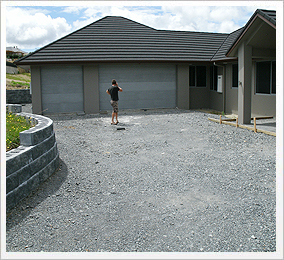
(243,126)
(262,117)
(254,124)
(266,132)
(229,119)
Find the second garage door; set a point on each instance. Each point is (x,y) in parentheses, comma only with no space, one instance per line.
(144,85)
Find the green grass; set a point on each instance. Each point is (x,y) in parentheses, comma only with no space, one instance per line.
(15,83)
(14,125)
(26,77)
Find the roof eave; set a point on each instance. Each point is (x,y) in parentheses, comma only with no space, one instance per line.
(39,63)
(247,26)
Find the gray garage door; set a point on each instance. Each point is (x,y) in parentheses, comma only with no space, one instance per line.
(62,89)
(144,85)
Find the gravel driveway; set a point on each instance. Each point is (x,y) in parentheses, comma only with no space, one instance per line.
(171,181)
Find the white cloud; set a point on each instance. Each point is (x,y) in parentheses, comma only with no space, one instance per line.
(223,19)
(30,29)
(73,9)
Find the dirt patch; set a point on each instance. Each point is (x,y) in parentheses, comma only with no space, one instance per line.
(18,81)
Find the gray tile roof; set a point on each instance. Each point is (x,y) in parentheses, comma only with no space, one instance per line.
(221,53)
(120,39)
(270,15)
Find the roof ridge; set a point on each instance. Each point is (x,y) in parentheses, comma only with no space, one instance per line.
(101,19)
(263,12)
(197,32)
(128,19)
(221,45)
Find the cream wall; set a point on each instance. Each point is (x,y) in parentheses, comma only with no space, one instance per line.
(36,90)
(262,104)
(183,87)
(187,98)
(231,102)
(216,98)
(91,89)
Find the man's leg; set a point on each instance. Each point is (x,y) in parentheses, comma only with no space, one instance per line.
(112,117)
(116,114)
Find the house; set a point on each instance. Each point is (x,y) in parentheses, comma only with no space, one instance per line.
(14,52)
(234,73)
(11,68)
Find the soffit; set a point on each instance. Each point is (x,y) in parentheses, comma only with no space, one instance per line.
(260,34)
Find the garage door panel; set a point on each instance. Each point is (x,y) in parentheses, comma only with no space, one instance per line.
(144,85)
(147,86)
(65,107)
(136,73)
(62,89)
(58,98)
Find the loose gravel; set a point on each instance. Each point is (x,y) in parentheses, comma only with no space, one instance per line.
(170,181)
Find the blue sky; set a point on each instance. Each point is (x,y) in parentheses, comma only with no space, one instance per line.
(32,25)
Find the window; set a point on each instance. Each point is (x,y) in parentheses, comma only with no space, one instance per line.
(197,76)
(235,76)
(266,77)
(192,76)
(213,77)
(273,73)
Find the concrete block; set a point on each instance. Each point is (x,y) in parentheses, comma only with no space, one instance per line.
(14,108)
(46,172)
(34,182)
(42,147)
(28,166)
(17,159)
(18,96)
(12,182)
(21,192)
(24,173)
(10,200)
(37,134)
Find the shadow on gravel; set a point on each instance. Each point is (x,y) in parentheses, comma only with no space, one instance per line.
(46,189)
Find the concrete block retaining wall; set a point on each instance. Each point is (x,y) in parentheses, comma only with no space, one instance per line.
(18,96)
(32,162)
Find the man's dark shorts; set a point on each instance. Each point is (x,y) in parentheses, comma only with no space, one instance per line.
(114,105)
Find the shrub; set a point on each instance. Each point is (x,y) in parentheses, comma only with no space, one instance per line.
(14,125)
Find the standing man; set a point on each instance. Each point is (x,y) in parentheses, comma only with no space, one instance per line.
(113,92)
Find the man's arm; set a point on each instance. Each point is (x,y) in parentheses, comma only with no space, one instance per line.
(120,89)
(107,92)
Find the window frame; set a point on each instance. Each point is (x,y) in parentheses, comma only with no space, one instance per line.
(213,77)
(234,65)
(271,75)
(196,76)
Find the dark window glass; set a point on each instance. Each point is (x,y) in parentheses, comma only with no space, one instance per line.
(192,76)
(215,77)
(201,76)
(263,72)
(211,77)
(235,82)
(273,77)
